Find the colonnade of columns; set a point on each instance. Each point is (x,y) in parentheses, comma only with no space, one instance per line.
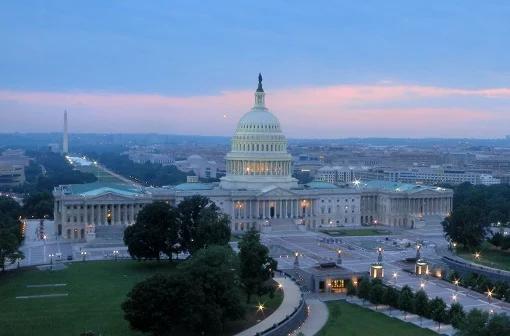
(283,208)
(425,205)
(101,214)
(259,168)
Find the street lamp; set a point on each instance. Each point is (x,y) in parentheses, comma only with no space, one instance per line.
(115,254)
(456,283)
(422,285)
(339,257)
(454,297)
(260,307)
(51,255)
(477,255)
(83,255)
(489,295)
(395,275)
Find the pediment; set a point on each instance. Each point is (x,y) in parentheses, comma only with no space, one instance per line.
(274,191)
(110,196)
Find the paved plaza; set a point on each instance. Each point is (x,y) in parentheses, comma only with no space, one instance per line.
(358,253)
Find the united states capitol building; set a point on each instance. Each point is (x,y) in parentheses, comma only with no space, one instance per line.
(258,191)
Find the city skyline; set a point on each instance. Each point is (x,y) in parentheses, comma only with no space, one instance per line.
(351,71)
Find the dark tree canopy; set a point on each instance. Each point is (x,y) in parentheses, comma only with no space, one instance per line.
(164,305)
(202,224)
(256,266)
(438,311)
(421,303)
(405,300)
(197,299)
(146,173)
(474,209)
(38,205)
(155,232)
(10,234)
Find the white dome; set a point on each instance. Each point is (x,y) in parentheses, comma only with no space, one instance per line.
(258,121)
(258,156)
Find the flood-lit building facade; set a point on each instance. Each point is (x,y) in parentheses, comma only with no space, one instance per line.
(257,191)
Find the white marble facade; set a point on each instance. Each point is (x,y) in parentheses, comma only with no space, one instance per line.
(258,191)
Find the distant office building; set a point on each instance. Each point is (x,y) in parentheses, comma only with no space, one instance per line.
(15,157)
(157,158)
(11,175)
(54,147)
(307,163)
(430,176)
(198,165)
(335,174)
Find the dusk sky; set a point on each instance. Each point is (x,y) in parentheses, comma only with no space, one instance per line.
(331,68)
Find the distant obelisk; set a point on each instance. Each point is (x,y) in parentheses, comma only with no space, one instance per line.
(65,140)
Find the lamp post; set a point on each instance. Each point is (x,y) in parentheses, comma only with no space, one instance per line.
(51,255)
(395,275)
(115,254)
(477,255)
(379,256)
(456,283)
(339,257)
(83,255)
(454,297)
(296,260)
(489,295)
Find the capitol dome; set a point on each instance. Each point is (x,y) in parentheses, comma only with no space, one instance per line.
(258,156)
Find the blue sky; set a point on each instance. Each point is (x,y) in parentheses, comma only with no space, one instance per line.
(195,50)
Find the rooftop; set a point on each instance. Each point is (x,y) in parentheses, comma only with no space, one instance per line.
(397,186)
(100,188)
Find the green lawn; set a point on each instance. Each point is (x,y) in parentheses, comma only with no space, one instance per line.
(350,320)
(95,292)
(489,256)
(356,232)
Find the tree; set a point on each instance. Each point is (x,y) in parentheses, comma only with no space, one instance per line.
(256,266)
(213,229)
(498,325)
(155,232)
(474,323)
(456,314)
(215,270)
(376,294)
(38,205)
(421,304)
(165,305)
(196,299)
(10,234)
(466,226)
(351,289)
(202,224)
(405,300)
(438,311)
(364,289)
(390,297)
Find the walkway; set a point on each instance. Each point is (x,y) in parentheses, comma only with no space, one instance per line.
(291,299)
(446,329)
(318,314)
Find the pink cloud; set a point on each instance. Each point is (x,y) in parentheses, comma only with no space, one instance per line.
(304,112)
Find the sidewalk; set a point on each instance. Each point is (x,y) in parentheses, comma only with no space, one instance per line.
(446,329)
(291,299)
(318,314)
